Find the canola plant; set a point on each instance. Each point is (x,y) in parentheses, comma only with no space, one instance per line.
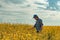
(21,32)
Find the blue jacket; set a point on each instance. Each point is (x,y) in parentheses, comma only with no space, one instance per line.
(38,24)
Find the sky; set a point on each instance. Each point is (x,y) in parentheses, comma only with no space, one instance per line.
(22,11)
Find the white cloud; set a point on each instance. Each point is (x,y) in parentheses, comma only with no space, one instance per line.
(19,10)
(56,17)
(53,15)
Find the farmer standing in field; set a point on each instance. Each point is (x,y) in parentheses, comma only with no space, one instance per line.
(38,25)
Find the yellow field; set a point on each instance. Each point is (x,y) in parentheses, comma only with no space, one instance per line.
(21,32)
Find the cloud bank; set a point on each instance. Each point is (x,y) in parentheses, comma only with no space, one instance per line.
(12,10)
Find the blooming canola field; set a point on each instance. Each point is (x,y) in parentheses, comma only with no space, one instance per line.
(23,32)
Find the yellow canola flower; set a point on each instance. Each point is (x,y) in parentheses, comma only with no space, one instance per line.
(21,32)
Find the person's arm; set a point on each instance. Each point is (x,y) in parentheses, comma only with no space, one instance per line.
(32,27)
(35,25)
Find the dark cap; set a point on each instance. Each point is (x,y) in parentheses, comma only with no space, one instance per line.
(35,16)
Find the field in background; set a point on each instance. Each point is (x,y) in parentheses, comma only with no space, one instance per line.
(21,32)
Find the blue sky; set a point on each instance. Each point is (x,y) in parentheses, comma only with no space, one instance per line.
(22,11)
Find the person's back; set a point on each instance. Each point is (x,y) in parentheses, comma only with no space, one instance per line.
(39,22)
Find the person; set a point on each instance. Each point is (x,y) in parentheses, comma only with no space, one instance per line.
(38,25)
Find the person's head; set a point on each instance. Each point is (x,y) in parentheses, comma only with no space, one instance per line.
(35,17)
